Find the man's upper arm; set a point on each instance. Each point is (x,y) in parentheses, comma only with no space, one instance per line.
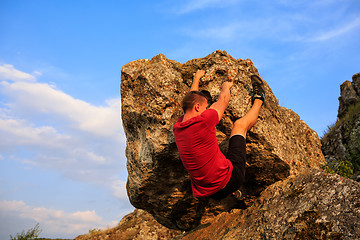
(220,107)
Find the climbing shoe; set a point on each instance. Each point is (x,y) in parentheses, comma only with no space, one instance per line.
(257,88)
(238,195)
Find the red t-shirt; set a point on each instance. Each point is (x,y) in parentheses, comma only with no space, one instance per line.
(200,154)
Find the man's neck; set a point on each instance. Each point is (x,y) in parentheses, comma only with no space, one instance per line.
(190,115)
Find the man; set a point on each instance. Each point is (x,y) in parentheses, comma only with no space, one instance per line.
(212,174)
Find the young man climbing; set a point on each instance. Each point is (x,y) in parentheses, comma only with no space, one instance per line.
(213,174)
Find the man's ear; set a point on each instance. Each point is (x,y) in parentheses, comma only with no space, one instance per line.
(197,107)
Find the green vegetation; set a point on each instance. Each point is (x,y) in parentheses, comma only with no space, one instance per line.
(327,168)
(94,231)
(347,120)
(30,234)
(343,168)
(351,164)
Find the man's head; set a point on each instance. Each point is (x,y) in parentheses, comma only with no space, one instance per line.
(195,99)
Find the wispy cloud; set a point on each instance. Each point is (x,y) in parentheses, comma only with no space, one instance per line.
(281,29)
(280,21)
(221,33)
(194,5)
(336,32)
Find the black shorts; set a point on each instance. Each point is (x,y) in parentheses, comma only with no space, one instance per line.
(237,155)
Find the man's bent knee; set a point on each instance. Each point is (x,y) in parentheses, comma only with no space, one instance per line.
(240,127)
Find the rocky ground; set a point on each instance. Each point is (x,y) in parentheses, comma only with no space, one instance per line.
(136,225)
(312,205)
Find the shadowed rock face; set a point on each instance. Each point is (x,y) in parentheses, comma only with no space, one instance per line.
(278,146)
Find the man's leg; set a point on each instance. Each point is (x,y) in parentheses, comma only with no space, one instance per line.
(237,144)
(244,124)
(241,126)
(237,152)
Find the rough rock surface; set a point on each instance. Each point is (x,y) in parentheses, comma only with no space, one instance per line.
(136,225)
(356,81)
(341,144)
(280,145)
(311,205)
(349,94)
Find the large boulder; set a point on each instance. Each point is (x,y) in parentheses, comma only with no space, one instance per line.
(278,146)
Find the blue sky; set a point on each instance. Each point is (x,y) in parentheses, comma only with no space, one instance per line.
(62,160)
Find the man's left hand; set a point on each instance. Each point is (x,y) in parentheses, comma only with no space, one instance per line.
(199,74)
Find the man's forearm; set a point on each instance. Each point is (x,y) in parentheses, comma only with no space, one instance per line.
(224,95)
(195,84)
(196,80)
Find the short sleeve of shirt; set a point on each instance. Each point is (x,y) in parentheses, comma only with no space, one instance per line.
(212,117)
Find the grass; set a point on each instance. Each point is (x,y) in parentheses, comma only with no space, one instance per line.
(32,233)
(347,119)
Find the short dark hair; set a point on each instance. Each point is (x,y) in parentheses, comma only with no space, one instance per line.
(191,98)
(208,96)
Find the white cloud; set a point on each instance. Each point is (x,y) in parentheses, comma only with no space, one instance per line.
(82,141)
(44,127)
(8,72)
(46,99)
(18,132)
(53,221)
